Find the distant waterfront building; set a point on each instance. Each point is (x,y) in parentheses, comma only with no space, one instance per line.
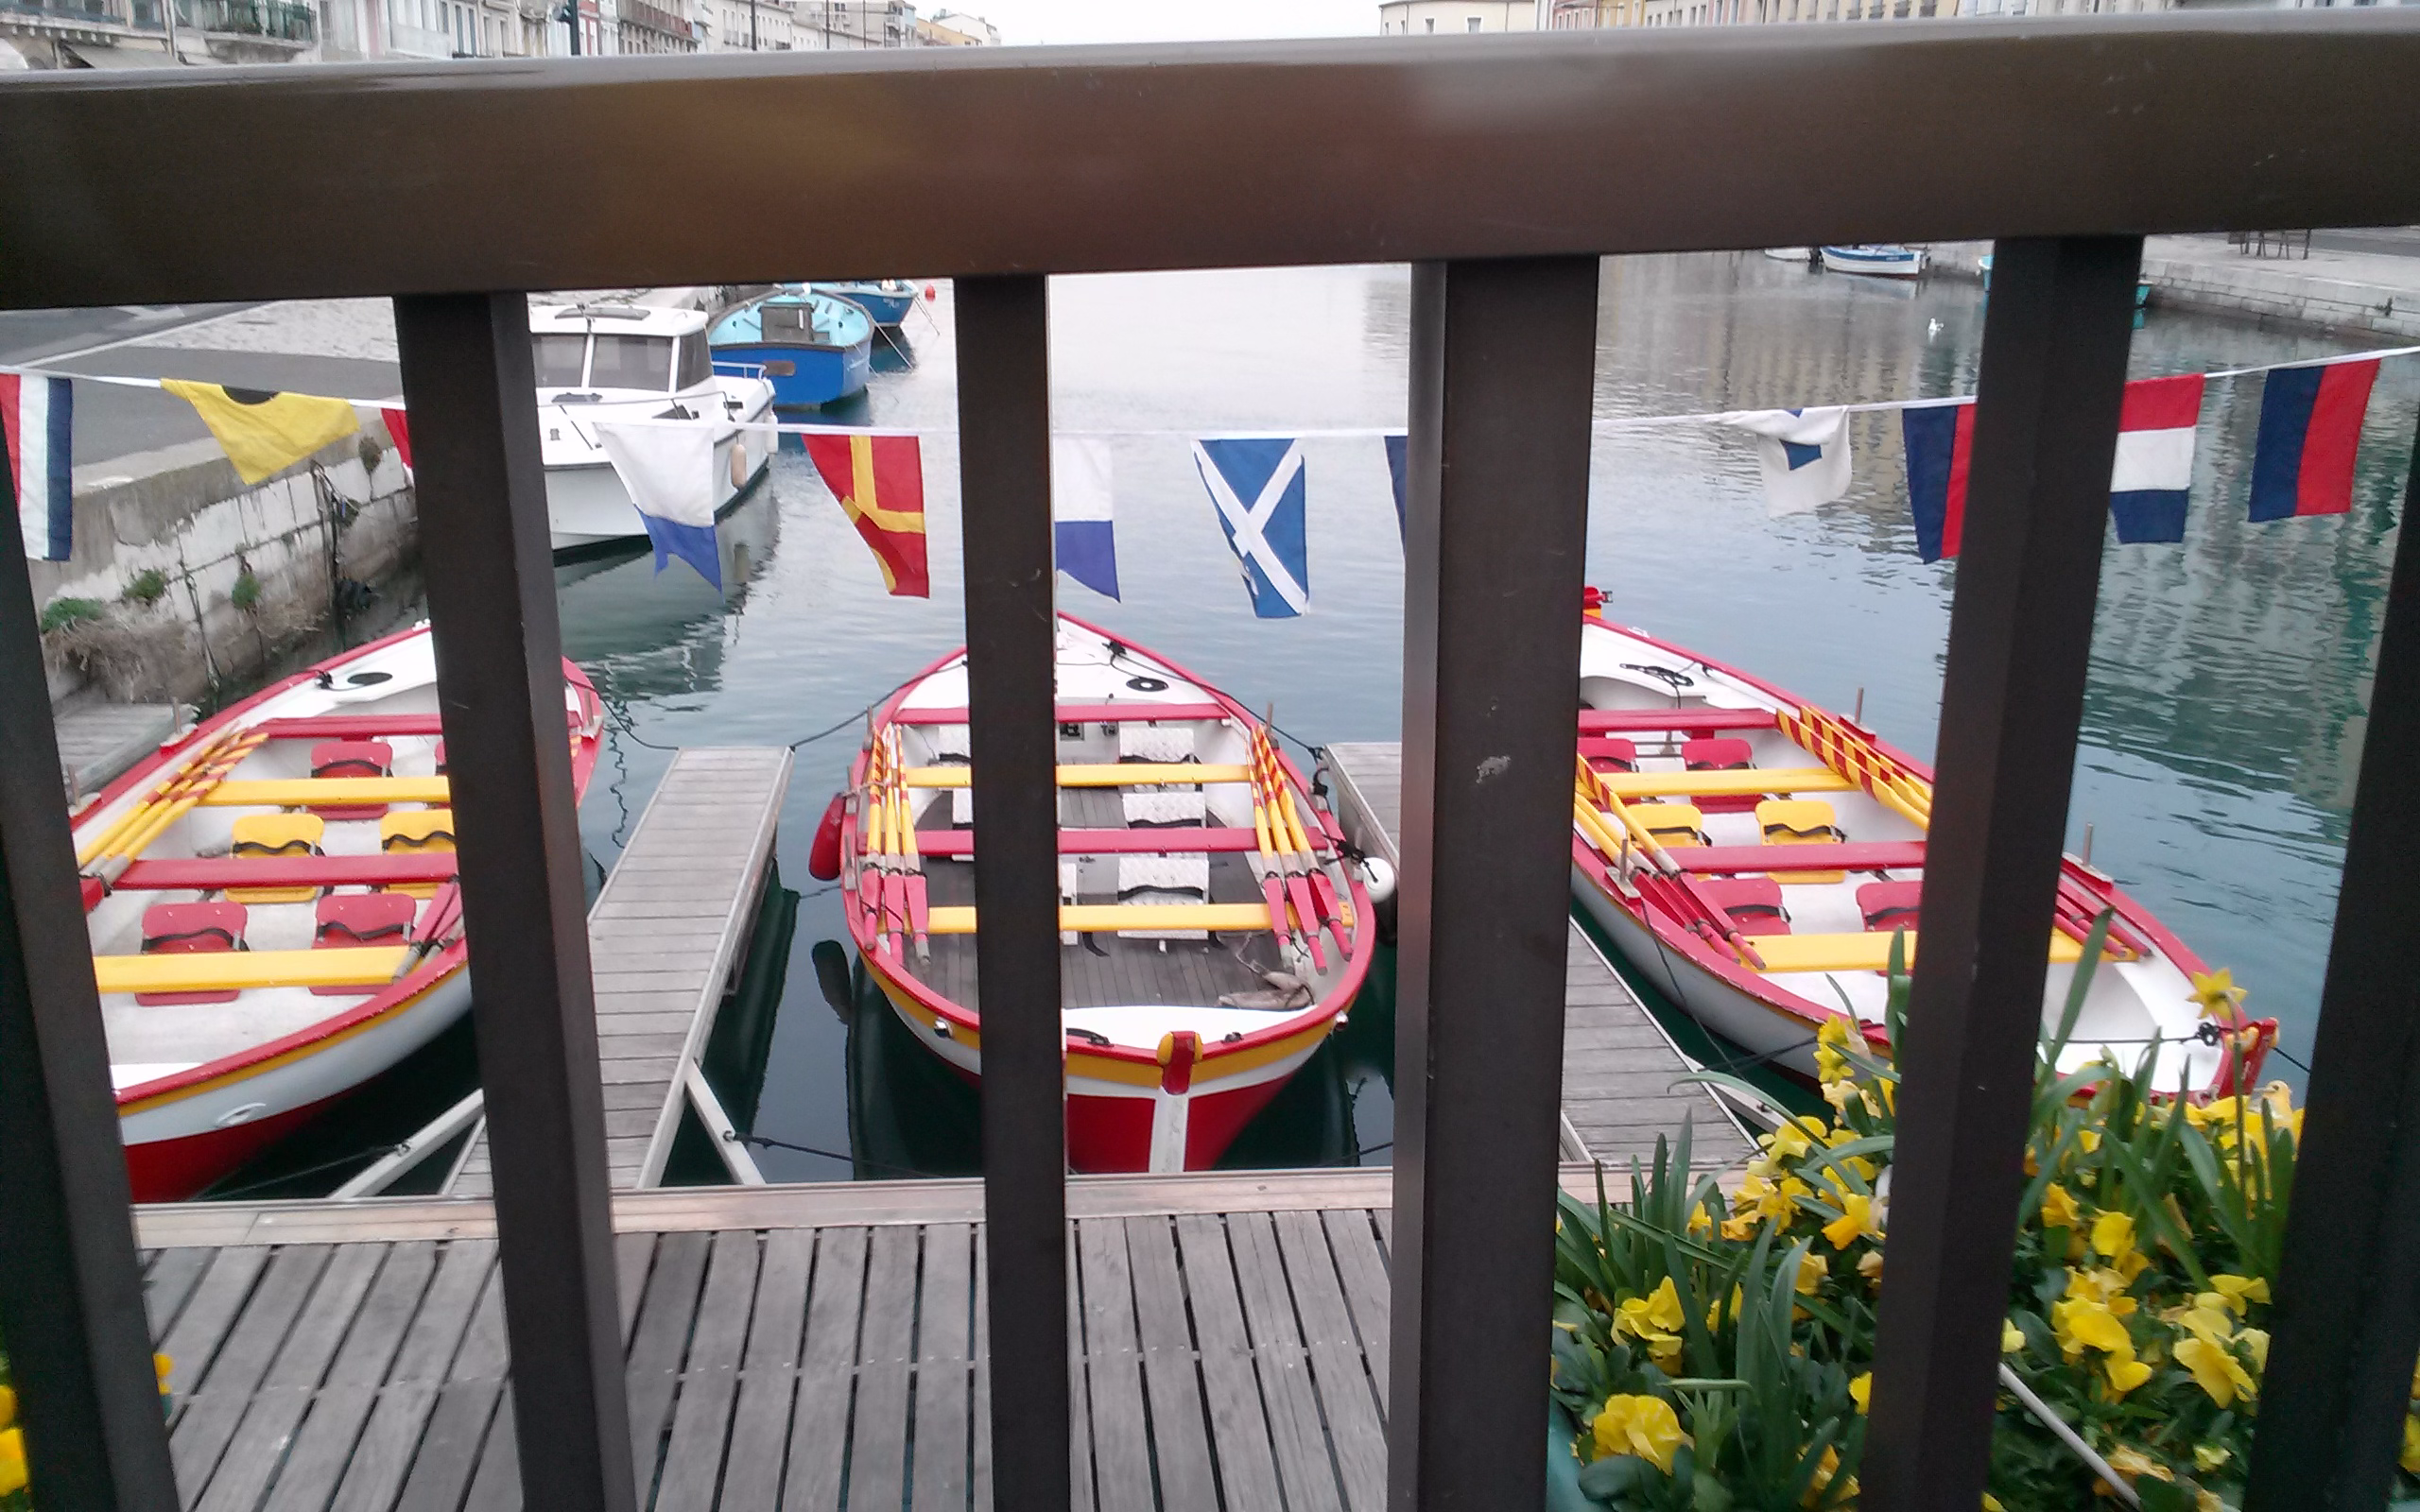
(1588,15)
(1439,18)
(743,25)
(955,28)
(146,34)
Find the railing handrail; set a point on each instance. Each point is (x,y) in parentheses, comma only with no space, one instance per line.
(1080,160)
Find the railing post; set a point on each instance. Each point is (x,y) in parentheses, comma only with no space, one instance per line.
(2347,1320)
(2020,630)
(71,1293)
(1503,358)
(489,565)
(1011,653)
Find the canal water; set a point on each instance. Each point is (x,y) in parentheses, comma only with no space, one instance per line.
(2230,674)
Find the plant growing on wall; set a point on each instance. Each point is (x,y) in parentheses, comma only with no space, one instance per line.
(146,587)
(63,614)
(246,595)
(1715,1351)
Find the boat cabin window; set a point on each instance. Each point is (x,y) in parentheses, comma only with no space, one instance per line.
(790,321)
(560,359)
(697,363)
(632,362)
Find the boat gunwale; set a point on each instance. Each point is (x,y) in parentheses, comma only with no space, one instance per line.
(1332,1005)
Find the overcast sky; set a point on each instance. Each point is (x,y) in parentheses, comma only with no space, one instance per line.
(1077,21)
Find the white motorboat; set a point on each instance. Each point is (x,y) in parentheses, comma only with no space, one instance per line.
(1801,255)
(1875,260)
(614,362)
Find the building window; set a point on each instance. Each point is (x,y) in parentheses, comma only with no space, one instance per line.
(1474,24)
(1432,23)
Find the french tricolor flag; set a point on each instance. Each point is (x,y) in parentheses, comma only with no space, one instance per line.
(38,416)
(2154,473)
(2311,426)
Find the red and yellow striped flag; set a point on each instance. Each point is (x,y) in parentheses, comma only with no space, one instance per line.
(880,483)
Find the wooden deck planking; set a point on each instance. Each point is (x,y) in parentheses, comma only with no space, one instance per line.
(664,936)
(1620,1068)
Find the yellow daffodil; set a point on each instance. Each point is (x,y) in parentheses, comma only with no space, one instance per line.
(2215,1370)
(1790,1142)
(1698,1222)
(2218,994)
(1654,1320)
(1840,1092)
(2241,1291)
(1645,1426)
(1856,1222)
(2207,1457)
(1870,1264)
(1835,1033)
(2409,1459)
(2113,1234)
(12,1461)
(2088,1140)
(1811,1272)
(1741,1225)
(1861,1391)
(1824,1469)
(2012,1337)
(2059,1209)
(1714,1314)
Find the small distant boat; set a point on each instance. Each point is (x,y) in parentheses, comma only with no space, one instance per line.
(1213,929)
(1752,855)
(813,348)
(1791,255)
(630,362)
(888,300)
(272,908)
(1875,260)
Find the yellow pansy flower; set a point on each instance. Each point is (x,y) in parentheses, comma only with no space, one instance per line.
(2134,1463)
(2215,1370)
(1645,1426)
(2113,1234)
(2409,1459)
(1856,1222)
(2241,1291)
(2088,1140)
(2207,1457)
(12,1461)
(2012,1337)
(2059,1209)
(1992,1503)
(2125,1373)
(2084,1324)
(1654,1320)
(1861,1391)
(2217,993)
(2255,1343)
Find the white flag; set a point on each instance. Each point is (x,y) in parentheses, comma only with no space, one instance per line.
(1803,452)
(669,473)
(1082,519)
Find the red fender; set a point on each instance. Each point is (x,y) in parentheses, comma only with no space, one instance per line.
(823,861)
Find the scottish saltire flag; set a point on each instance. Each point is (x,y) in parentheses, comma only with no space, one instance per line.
(2310,427)
(669,470)
(1082,524)
(1940,441)
(1257,486)
(38,417)
(2153,475)
(1804,455)
(1399,466)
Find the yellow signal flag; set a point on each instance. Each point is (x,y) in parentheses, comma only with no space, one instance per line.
(266,432)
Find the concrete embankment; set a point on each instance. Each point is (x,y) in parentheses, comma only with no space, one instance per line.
(2350,292)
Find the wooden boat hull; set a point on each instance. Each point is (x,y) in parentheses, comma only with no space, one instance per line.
(202,1088)
(1769,988)
(1160,1075)
(1875,262)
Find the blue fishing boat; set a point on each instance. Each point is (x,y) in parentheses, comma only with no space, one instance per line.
(814,348)
(888,300)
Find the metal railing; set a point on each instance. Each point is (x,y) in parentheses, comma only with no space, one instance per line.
(276,20)
(1502,168)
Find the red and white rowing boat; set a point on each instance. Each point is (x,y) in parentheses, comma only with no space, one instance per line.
(272,908)
(1753,855)
(1213,928)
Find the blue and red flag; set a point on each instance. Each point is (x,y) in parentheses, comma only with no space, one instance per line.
(2310,427)
(37,421)
(1940,441)
(2153,475)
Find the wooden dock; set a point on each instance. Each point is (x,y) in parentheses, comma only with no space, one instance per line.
(664,939)
(1619,1064)
(790,1346)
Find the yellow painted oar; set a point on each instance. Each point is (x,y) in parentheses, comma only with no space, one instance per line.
(131,844)
(166,791)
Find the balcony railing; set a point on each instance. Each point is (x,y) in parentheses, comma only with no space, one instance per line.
(1501,169)
(273,19)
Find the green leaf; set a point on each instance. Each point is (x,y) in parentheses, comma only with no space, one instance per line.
(1616,1476)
